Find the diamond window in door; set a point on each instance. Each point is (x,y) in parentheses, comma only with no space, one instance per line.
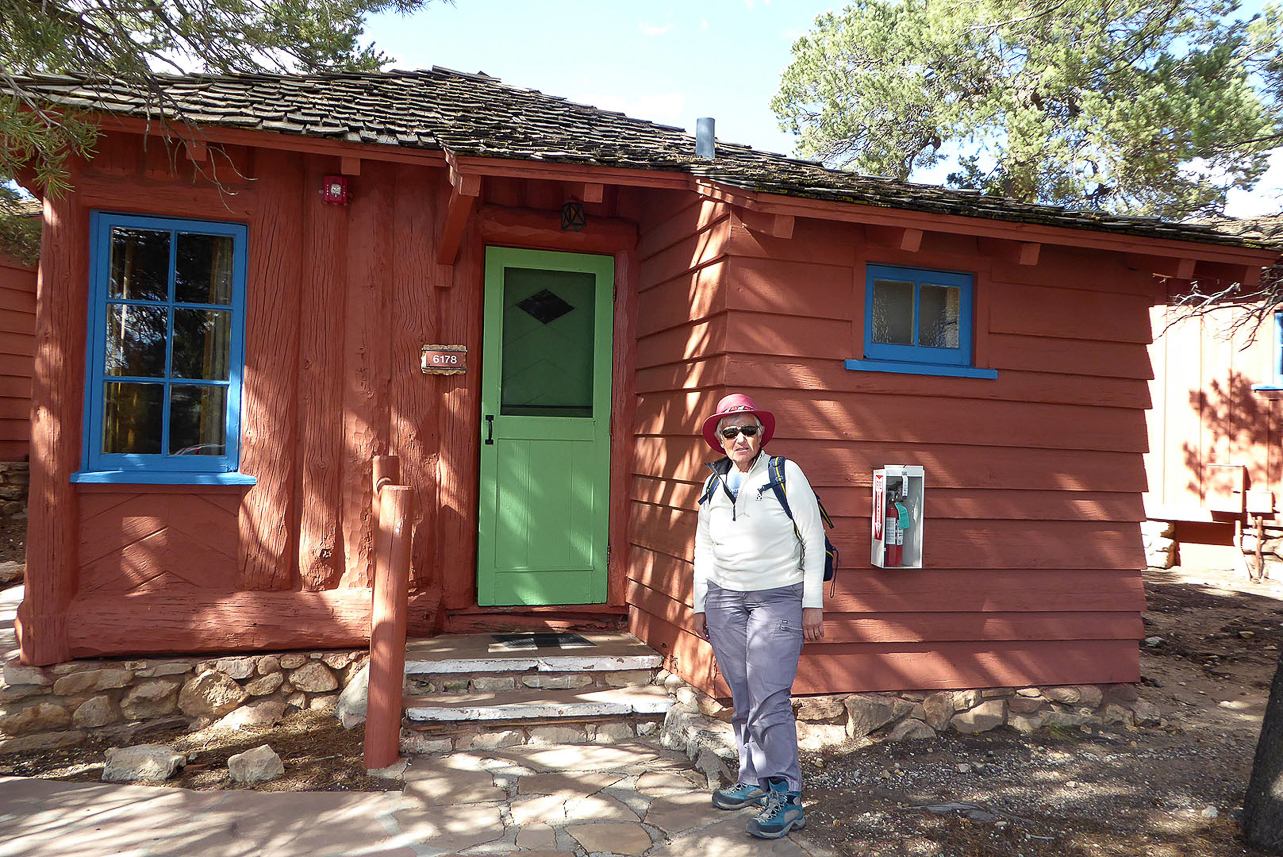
(547,343)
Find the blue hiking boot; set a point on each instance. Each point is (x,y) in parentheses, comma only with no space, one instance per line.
(738,796)
(781,812)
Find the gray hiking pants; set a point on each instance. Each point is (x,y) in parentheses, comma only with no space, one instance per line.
(757,639)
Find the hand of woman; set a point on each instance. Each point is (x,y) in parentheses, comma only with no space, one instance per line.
(700,626)
(812,623)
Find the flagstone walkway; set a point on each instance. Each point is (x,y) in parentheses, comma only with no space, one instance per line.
(555,801)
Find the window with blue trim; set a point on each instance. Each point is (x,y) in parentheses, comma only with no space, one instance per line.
(165,350)
(1274,384)
(918,321)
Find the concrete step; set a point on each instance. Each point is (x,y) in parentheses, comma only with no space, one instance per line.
(549,652)
(494,690)
(538,704)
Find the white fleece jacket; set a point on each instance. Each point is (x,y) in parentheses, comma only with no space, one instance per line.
(748,544)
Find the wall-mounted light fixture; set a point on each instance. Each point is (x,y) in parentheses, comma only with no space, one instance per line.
(334,190)
(573,218)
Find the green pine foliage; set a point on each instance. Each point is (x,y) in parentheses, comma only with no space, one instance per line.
(1148,107)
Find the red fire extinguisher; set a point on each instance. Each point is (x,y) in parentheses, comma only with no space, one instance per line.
(894,540)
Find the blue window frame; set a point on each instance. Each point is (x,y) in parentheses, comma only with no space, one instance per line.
(165,350)
(1275,382)
(918,321)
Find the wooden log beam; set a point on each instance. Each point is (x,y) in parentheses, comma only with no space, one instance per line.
(525,227)
(205,621)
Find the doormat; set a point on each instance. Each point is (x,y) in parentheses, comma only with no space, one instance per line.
(541,640)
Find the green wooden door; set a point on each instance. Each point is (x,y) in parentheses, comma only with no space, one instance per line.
(545,428)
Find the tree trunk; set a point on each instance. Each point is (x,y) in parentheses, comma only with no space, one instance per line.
(1263,806)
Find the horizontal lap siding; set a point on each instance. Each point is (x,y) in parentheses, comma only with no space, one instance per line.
(17,333)
(1034,480)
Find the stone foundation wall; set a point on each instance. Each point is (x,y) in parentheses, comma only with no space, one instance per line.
(700,726)
(14,479)
(62,705)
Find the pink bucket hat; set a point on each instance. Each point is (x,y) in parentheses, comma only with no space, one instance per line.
(737,404)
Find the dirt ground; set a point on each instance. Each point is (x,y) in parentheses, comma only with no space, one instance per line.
(1172,790)
(1213,644)
(13,539)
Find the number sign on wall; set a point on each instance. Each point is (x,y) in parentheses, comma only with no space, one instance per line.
(445,359)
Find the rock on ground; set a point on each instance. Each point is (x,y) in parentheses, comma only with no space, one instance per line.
(255,766)
(144,762)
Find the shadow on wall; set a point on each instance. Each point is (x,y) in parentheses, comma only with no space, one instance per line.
(1236,430)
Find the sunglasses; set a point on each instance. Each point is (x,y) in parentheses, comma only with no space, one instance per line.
(748,431)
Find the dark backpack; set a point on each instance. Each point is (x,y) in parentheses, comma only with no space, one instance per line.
(776,484)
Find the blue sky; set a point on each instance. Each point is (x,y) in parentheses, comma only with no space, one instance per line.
(662,60)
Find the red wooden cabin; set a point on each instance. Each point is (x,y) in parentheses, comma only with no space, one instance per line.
(217,365)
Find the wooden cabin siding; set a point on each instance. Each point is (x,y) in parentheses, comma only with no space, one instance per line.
(17,332)
(1206,413)
(1034,480)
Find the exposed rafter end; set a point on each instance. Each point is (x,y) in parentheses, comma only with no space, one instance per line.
(904,238)
(350,166)
(776,225)
(587,191)
(463,198)
(1185,269)
(1029,253)
(197,153)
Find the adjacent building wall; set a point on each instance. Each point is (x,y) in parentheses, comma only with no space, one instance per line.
(1210,432)
(1033,480)
(17,325)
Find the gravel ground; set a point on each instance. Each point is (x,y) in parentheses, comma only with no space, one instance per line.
(1174,790)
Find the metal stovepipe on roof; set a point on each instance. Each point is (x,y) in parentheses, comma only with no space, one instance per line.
(705,142)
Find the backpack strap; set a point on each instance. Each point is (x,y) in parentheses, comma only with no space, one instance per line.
(710,485)
(776,484)
(720,467)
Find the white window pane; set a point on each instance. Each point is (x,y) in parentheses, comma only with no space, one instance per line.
(938,316)
(892,312)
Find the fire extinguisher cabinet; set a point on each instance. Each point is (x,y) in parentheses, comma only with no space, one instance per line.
(897,516)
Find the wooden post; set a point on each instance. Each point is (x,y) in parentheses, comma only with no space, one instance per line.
(1260,541)
(387,624)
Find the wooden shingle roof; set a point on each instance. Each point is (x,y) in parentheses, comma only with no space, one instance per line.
(478,115)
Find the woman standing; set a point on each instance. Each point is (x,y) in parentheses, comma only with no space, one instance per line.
(759,579)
